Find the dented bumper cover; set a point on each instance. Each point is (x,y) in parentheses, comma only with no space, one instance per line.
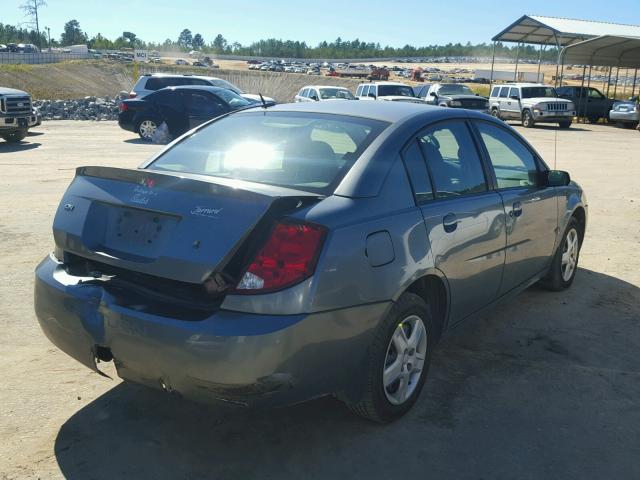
(236,357)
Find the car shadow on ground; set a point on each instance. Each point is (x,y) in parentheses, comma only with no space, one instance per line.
(34,134)
(17,147)
(574,127)
(138,141)
(536,388)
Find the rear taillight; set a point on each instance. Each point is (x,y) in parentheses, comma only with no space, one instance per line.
(289,256)
(123,107)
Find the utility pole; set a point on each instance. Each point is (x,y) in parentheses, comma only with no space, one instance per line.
(49,37)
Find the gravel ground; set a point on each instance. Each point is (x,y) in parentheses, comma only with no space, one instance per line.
(546,386)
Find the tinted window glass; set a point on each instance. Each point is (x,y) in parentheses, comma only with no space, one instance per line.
(417,171)
(155,83)
(359,91)
(328,93)
(504,92)
(395,90)
(203,105)
(593,93)
(513,162)
(514,93)
(305,151)
(538,92)
(453,160)
(495,91)
(167,98)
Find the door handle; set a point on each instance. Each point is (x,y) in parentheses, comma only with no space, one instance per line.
(450,222)
(516,210)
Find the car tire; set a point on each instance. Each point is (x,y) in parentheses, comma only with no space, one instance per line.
(495,113)
(15,136)
(382,403)
(527,119)
(566,257)
(146,128)
(566,124)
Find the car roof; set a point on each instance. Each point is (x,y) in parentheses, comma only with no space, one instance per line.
(11,91)
(324,86)
(384,111)
(178,75)
(385,83)
(208,88)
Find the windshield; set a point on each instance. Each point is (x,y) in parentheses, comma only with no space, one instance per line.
(538,92)
(305,151)
(218,82)
(333,93)
(395,90)
(455,89)
(234,100)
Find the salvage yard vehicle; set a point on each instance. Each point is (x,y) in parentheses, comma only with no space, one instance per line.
(152,82)
(181,108)
(531,103)
(455,95)
(276,255)
(626,113)
(16,114)
(390,91)
(322,93)
(589,102)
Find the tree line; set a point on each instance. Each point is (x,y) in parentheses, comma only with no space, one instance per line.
(73,34)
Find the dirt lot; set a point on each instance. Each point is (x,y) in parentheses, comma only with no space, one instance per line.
(547,386)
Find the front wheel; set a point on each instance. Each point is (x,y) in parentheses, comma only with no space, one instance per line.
(527,119)
(398,361)
(15,136)
(565,124)
(495,113)
(563,267)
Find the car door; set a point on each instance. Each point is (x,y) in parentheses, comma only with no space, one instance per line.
(464,219)
(510,104)
(531,206)
(203,106)
(598,103)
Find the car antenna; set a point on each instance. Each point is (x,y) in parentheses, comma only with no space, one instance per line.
(264,104)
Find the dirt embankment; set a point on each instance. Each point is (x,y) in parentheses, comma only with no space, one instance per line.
(80,78)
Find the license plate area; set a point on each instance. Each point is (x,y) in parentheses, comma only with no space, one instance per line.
(129,233)
(23,122)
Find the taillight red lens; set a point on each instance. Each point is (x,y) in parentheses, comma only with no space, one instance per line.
(123,107)
(288,257)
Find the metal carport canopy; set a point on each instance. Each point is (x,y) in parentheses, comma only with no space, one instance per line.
(540,30)
(605,51)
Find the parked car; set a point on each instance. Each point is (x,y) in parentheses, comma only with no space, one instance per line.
(321,93)
(390,91)
(276,255)
(421,91)
(531,103)
(181,61)
(152,82)
(455,95)
(16,114)
(626,113)
(589,102)
(181,108)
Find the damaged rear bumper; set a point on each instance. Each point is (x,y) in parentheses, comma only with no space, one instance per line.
(235,357)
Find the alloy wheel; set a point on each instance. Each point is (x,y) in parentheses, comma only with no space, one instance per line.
(147,128)
(569,254)
(404,361)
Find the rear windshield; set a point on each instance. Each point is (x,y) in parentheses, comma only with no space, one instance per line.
(305,151)
(395,90)
(537,92)
(455,89)
(332,93)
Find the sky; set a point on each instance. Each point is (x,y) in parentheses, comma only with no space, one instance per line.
(413,22)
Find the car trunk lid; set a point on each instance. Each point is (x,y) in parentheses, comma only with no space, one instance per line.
(176,226)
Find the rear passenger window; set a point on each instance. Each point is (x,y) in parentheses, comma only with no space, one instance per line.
(417,171)
(504,92)
(452,160)
(365,90)
(514,92)
(514,164)
(359,91)
(155,83)
(495,91)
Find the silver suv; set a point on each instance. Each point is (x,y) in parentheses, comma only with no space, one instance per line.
(531,103)
(151,82)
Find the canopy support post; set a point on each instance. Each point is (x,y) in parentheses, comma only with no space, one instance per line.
(493,59)
(615,85)
(609,82)
(555,84)
(582,100)
(633,88)
(515,74)
(539,63)
(588,82)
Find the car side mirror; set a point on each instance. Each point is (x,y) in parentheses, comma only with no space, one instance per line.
(514,97)
(558,178)
(433,94)
(314,97)
(372,95)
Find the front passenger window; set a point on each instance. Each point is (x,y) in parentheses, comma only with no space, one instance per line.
(453,160)
(514,164)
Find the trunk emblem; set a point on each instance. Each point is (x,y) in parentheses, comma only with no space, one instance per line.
(148,182)
(206,211)
(69,207)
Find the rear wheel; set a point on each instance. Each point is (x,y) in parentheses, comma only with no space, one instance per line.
(527,119)
(495,113)
(398,361)
(15,136)
(146,128)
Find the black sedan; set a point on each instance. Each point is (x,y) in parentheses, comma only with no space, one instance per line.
(182,108)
